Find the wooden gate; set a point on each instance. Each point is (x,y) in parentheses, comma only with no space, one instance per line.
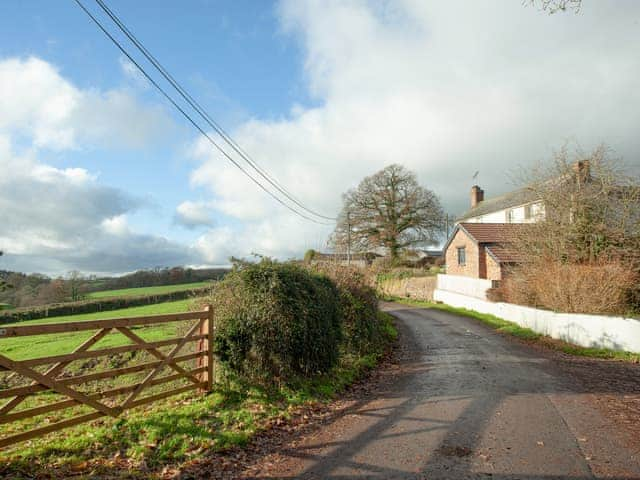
(49,376)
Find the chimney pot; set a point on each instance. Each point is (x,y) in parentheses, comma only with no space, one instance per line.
(582,170)
(477,195)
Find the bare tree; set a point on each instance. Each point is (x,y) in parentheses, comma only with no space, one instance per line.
(591,208)
(554,6)
(75,283)
(388,210)
(583,255)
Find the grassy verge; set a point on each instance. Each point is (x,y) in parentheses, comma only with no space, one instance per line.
(180,429)
(526,334)
(133,292)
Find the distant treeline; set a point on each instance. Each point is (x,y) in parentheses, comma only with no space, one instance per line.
(160,276)
(28,290)
(95,305)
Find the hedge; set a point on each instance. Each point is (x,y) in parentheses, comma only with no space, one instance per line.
(362,329)
(276,322)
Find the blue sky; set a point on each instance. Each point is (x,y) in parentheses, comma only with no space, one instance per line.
(100,174)
(231,55)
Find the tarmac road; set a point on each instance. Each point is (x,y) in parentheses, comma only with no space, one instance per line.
(466,402)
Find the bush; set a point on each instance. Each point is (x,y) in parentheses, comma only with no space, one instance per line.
(275,322)
(309,255)
(572,288)
(361,325)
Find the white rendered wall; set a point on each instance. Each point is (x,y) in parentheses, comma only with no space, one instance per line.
(518,216)
(615,333)
(472,287)
(495,217)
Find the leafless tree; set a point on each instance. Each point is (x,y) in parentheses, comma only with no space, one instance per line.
(554,6)
(75,285)
(583,255)
(388,210)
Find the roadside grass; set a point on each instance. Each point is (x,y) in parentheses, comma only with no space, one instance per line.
(526,334)
(175,429)
(133,292)
(182,428)
(22,348)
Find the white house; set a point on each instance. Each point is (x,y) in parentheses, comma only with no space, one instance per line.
(483,251)
(519,206)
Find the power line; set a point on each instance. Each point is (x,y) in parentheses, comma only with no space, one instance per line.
(189,118)
(202,112)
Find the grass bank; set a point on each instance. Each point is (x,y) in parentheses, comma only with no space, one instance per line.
(169,433)
(134,292)
(526,334)
(22,348)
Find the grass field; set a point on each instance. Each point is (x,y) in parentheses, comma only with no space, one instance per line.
(21,348)
(132,292)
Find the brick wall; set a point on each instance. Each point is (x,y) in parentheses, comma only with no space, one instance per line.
(472,265)
(482,261)
(494,272)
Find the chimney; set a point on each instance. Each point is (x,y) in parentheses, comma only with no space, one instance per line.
(477,195)
(582,170)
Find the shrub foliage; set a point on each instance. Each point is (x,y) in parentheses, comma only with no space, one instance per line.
(361,325)
(275,322)
(279,322)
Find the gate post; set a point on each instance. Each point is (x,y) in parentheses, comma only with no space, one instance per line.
(206,345)
(211,380)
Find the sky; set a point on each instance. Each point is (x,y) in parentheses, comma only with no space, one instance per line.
(99,173)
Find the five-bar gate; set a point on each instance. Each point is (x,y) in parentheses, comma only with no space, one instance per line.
(53,386)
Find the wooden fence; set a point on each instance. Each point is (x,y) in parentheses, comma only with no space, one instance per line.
(49,377)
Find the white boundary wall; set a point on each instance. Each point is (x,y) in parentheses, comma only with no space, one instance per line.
(615,333)
(469,286)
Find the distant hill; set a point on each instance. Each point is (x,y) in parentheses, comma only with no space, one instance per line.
(29,290)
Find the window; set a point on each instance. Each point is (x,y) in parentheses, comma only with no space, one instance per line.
(462,256)
(527,211)
(511,215)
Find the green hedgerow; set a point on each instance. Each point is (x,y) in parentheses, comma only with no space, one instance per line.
(276,321)
(361,326)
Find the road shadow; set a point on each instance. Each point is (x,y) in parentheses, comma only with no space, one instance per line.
(450,368)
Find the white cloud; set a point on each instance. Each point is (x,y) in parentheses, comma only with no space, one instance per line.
(280,236)
(194,214)
(116,225)
(38,103)
(54,220)
(132,73)
(445,89)
(58,219)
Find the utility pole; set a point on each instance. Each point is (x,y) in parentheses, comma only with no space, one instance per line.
(446,226)
(348,238)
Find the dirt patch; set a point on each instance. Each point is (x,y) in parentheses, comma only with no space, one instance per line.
(454,451)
